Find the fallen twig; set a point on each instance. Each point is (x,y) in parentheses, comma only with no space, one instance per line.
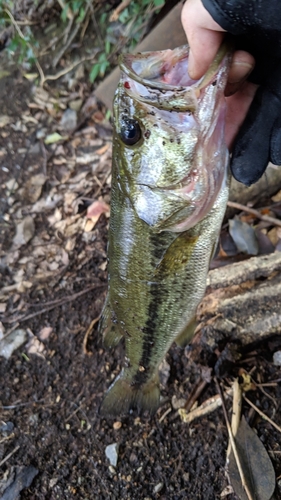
(194,395)
(89,330)
(68,69)
(9,456)
(233,445)
(115,14)
(256,213)
(236,412)
(52,306)
(68,42)
(263,415)
(207,407)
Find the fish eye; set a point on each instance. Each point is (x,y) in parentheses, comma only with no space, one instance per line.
(130,132)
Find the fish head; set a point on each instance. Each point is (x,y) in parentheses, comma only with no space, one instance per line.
(169,147)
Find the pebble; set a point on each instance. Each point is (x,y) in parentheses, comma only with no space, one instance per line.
(111,452)
(277,358)
(133,458)
(76,105)
(117,425)
(158,487)
(6,428)
(178,403)
(69,119)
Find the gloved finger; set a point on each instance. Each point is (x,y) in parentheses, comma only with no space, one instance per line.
(275,143)
(251,151)
(241,66)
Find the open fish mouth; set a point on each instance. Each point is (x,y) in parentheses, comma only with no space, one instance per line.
(167,72)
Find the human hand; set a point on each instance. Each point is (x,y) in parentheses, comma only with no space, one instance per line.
(253,122)
(205,37)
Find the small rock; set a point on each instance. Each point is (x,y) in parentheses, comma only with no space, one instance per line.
(35,149)
(277,358)
(117,425)
(6,428)
(24,231)
(69,119)
(178,403)
(111,452)
(158,487)
(133,458)
(41,134)
(10,343)
(76,105)
(185,476)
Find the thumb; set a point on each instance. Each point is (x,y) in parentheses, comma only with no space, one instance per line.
(204,45)
(204,36)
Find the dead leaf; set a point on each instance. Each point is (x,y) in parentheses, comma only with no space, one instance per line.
(95,210)
(3,306)
(45,332)
(34,346)
(12,185)
(256,465)
(103,266)
(4,120)
(11,342)
(55,137)
(24,232)
(32,189)
(276,197)
(243,236)
(265,245)
(102,150)
(274,235)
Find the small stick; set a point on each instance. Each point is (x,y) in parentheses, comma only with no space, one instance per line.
(236,456)
(194,395)
(9,456)
(7,438)
(263,415)
(52,306)
(207,407)
(85,340)
(165,415)
(236,412)
(72,35)
(256,213)
(115,14)
(68,69)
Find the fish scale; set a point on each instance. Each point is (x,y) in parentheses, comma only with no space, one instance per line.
(167,204)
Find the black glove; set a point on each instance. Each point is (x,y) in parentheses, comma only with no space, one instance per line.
(257,29)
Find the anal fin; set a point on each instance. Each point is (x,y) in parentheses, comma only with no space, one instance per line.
(187,333)
(111,334)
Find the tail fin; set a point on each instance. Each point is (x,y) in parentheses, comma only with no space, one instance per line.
(123,396)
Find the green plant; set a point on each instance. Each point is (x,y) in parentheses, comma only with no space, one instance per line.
(125,33)
(22,44)
(113,37)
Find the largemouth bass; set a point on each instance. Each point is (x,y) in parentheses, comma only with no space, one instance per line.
(169,194)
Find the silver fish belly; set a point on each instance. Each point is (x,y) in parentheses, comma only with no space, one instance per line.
(169,194)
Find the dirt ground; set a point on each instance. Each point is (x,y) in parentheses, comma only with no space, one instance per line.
(53,285)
